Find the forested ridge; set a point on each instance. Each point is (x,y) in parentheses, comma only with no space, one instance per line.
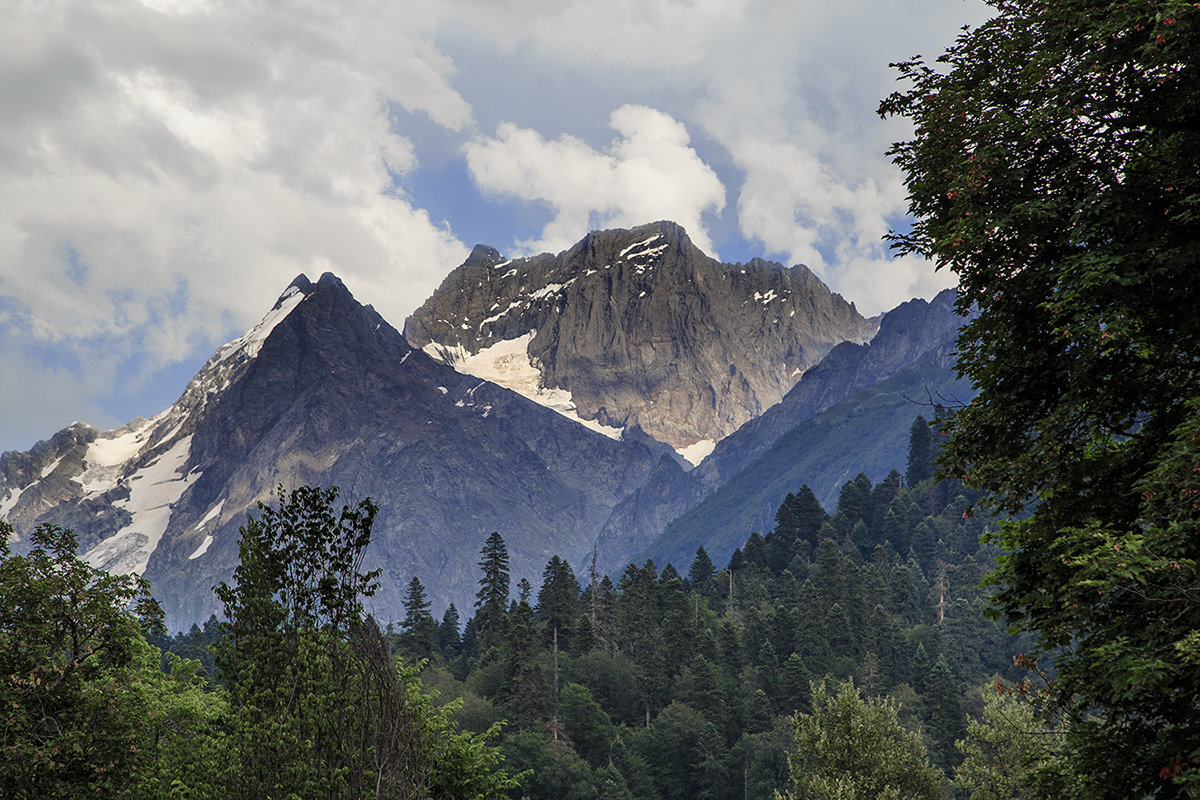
(662,684)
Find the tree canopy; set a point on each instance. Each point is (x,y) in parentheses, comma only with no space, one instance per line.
(1055,168)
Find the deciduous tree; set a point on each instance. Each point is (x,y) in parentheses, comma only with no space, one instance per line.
(1055,168)
(855,749)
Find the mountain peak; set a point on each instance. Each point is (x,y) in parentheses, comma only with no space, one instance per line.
(637,327)
(300,282)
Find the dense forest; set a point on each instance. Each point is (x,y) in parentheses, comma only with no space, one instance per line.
(660,684)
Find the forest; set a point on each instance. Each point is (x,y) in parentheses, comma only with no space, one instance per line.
(657,684)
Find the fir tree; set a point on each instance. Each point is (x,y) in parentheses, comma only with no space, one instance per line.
(418,625)
(491,601)
(449,639)
(558,602)
(920,452)
(701,571)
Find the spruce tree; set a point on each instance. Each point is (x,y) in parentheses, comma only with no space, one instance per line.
(920,452)
(491,601)
(558,601)
(418,625)
(449,638)
(701,571)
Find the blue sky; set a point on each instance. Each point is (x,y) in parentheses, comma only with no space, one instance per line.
(168,166)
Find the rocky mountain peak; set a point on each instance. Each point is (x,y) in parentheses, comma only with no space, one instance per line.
(637,328)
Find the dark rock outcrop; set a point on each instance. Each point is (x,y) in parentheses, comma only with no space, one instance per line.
(330,394)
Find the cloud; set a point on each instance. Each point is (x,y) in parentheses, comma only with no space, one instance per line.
(649,172)
(778,95)
(167,166)
(167,170)
(155,158)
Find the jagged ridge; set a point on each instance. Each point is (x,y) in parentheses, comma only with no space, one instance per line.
(640,328)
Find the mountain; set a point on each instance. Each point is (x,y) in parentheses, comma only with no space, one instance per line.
(324,391)
(866,432)
(906,334)
(618,354)
(638,329)
(911,332)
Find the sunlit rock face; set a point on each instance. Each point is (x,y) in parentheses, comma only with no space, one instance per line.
(638,329)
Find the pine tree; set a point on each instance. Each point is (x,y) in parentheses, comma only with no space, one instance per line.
(558,602)
(449,639)
(524,690)
(944,718)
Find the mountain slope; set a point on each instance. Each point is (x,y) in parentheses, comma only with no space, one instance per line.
(866,432)
(324,391)
(906,334)
(638,328)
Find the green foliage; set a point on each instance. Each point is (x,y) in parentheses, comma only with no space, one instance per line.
(682,689)
(85,710)
(1011,754)
(421,633)
(491,601)
(920,452)
(852,748)
(1056,169)
(320,708)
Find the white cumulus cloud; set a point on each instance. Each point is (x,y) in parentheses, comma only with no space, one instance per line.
(648,172)
(166,170)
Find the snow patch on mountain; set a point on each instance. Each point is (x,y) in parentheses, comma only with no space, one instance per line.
(252,340)
(153,491)
(695,453)
(507,364)
(108,455)
(639,245)
(10,501)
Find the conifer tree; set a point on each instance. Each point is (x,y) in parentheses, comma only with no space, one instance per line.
(558,602)
(449,638)
(943,714)
(920,452)
(701,570)
(524,691)
(418,625)
(491,601)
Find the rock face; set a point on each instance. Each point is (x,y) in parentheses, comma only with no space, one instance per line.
(325,392)
(906,334)
(638,328)
(911,333)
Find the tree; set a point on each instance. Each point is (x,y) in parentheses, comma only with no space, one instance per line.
(1010,754)
(855,749)
(85,710)
(449,639)
(320,708)
(558,601)
(1056,169)
(701,570)
(421,631)
(491,601)
(920,452)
